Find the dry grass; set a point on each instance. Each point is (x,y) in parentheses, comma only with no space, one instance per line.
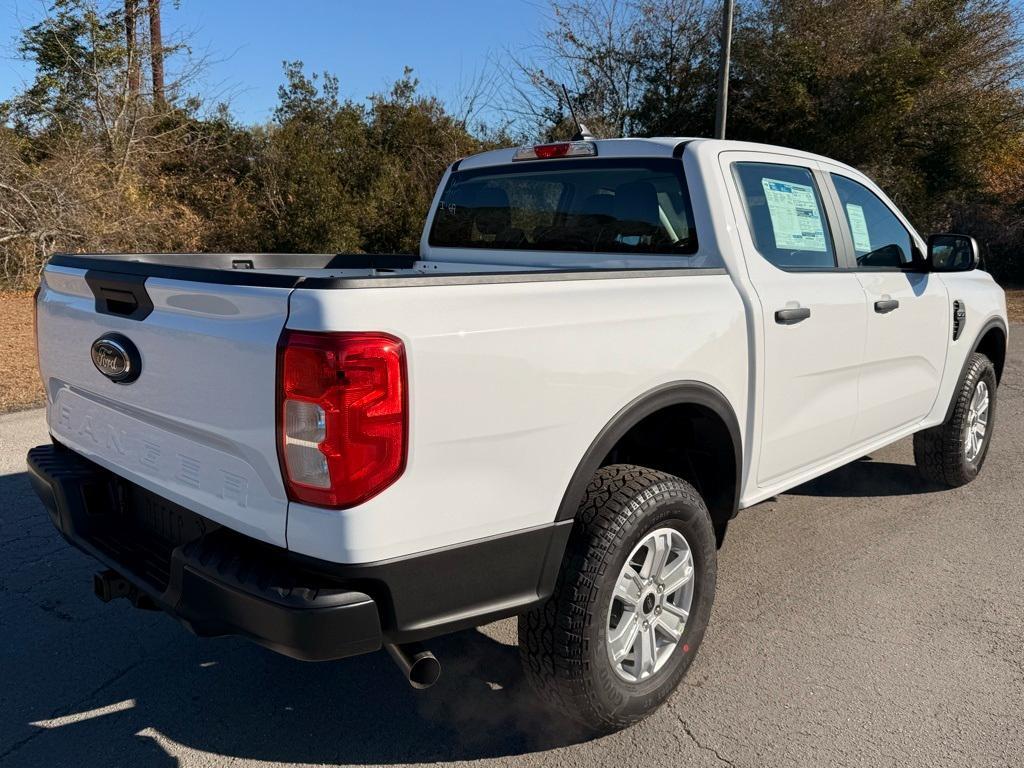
(19,381)
(1015,304)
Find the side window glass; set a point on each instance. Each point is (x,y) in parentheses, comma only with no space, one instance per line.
(879,238)
(786,215)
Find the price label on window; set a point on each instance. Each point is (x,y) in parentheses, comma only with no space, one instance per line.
(796,217)
(858,228)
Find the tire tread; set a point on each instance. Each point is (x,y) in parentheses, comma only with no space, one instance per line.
(938,451)
(551,636)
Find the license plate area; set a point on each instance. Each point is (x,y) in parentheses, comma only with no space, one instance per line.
(142,530)
(161,518)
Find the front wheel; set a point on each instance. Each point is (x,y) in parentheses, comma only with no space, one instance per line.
(631,603)
(952,453)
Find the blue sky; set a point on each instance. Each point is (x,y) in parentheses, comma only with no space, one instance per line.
(366,44)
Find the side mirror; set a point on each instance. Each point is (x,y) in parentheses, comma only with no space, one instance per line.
(953,253)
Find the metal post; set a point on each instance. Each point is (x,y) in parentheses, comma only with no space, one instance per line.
(723,69)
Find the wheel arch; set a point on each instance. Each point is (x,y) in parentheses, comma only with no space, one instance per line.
(991,342)
(648,427)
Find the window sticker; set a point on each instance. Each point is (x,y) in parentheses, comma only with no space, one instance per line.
(796,220)
(858,228)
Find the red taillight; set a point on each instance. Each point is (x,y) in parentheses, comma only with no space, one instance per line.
(343,416)
(546,151)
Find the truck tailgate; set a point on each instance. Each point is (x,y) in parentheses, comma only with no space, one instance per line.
(198,424)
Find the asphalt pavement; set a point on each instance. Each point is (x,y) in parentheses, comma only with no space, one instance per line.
(863,619)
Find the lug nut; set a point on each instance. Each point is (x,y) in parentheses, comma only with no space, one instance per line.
(646,625)
(658,610)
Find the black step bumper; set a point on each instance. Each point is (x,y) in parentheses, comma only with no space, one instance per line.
(219,582)
(216,582)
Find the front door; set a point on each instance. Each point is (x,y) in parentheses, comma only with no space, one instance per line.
(908,313)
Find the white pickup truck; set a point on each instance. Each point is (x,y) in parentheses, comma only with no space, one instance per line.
(601,352)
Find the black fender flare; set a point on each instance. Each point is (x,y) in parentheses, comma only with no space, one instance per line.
(674,393)
(995,322)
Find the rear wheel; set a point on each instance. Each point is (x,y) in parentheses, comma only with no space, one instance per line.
(953,453)
(631,603)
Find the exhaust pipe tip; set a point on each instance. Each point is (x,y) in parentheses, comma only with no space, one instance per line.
(425,671)
(420,667)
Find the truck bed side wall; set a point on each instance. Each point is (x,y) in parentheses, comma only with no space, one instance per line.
(509,385)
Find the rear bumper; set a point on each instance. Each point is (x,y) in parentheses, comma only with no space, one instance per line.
(219,582)
(216,583)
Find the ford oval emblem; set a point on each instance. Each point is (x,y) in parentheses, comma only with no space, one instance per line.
(116,358)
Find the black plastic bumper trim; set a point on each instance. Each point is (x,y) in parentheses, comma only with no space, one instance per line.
(218,582)
(461,586)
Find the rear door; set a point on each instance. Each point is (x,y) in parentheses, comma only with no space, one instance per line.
(197,425)
(813,312)
(908,313)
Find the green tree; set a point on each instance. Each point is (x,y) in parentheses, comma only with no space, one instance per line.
(78,52)
(311,166)
(917,94)
(412,139)
(336,176)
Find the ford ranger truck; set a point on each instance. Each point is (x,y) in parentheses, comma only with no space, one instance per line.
(601,351)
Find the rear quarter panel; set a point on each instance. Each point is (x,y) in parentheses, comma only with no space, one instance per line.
(509,385)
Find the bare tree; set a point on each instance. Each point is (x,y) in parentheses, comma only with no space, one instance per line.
(589,46)
(476,102)
(131,22)
(156,53)
(84,141)
(41,206)
(610,54)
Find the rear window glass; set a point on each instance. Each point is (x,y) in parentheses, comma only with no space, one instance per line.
(636,206)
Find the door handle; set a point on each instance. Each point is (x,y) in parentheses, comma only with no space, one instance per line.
(792,316)
(886,305)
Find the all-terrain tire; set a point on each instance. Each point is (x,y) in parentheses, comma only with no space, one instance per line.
(940,452)
(562,642)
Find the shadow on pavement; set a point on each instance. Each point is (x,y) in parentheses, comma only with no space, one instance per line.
(91,684)
(866,477)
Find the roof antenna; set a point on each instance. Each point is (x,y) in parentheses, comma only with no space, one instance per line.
(582,134)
